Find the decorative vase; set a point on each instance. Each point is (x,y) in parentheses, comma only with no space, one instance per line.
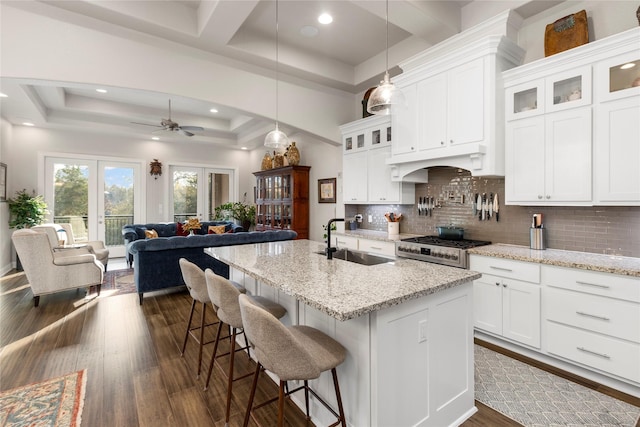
(191,233)
(293,154)
(278,160)
(267,162)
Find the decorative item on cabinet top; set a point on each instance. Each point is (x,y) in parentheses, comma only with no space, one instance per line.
(293,154)
(267,162)
(566,33)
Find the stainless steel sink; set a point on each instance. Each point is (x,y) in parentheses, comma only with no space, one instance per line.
(358,257)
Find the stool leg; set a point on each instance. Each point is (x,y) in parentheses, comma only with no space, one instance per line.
(281,405)
(186,335)
(252,394)
(306,397)
(204,312)
(343,420)
(213,356)
(230,378)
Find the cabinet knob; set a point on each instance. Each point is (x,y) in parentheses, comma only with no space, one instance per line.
(497,283)
(451,141)
(412,148)
(441,142)
(548,197)
(504,285)
(539,196)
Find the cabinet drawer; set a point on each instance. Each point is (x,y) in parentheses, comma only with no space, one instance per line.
(598,351)
(346,242)
(527,271)
(377,246)
(608,316)
(592,282)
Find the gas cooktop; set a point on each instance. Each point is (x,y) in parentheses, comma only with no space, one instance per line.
(437,241)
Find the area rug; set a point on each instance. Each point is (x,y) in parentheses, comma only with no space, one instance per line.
(535,398)
(56,402)
(120,281)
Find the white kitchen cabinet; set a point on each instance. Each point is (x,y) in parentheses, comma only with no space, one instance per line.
(354,177)
(548,159)
(379,247)
(593,319)
(505,306)
(455,107)
(366,175)
(598,156)
(345,242)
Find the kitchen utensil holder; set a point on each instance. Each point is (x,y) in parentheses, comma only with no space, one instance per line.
(536,238)
(393,228)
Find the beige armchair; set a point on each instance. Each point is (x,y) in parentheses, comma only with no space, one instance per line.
(96,247)
(49,271)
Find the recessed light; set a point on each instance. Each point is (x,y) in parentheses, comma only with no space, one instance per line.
(309,31)
(213,110)
(325,19)
(27,124)
(243,148)
(628,65)
(101,90)
(3,95)
(155,138)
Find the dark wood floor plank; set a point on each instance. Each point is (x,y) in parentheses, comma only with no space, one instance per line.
(189,408)
(152,400)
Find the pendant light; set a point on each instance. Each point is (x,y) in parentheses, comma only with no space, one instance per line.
(386,94)
(276,139)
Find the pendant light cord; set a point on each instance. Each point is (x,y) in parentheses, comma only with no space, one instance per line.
(277,60)
(387,51)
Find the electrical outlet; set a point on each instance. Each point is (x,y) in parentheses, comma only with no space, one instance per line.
(422,331)
(370,218)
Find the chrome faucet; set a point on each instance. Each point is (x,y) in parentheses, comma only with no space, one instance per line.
(329,250)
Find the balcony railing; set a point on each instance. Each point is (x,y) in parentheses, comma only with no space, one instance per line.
(112,230)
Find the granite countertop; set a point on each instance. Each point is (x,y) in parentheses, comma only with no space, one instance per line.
(627,266)
(341,289)
(382,236)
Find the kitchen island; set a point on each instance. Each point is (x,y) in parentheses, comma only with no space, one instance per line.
(407,326)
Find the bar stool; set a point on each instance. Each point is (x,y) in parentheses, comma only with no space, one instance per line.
(291,353)
(196,283)
(224,296)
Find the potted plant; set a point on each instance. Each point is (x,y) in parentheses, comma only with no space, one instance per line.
(240,211)
(26,210)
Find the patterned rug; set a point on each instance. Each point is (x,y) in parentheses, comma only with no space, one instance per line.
(120,281)
(56,402)
(535,398)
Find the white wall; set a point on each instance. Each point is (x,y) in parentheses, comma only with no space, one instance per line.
(5,235)
(605,18)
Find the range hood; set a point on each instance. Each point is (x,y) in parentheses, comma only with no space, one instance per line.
(411,167)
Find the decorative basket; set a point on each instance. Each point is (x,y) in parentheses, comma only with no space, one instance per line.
(566,33)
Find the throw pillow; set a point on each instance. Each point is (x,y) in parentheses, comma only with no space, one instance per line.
(216,229)
(181,231)
(150,234)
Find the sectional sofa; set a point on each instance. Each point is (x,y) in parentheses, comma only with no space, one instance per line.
(156,261)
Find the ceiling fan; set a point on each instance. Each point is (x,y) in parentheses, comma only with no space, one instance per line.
(171,126)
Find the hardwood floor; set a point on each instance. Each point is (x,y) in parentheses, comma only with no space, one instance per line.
(135,374)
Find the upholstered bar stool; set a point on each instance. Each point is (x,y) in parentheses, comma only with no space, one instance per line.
(196,283)
(224,296)
(291,353)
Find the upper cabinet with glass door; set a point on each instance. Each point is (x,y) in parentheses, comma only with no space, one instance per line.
(620,77)
(560,91)
(370,132)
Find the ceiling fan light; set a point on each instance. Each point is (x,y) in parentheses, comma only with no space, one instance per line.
(276,139)
(385,97)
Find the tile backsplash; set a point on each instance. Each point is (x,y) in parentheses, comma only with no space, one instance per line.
(611,230)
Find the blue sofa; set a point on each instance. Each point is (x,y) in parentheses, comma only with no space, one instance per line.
(133,232)
(156,261)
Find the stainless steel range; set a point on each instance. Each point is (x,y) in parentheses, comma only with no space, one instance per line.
(437,250)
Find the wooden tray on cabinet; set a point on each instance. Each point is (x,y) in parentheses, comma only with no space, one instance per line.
(566,33)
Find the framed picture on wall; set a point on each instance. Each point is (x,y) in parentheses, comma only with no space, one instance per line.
(327,190)
(3,182)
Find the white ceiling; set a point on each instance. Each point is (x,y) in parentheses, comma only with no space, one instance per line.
(347,55)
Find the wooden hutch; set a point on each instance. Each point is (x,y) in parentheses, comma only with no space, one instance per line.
(282,199)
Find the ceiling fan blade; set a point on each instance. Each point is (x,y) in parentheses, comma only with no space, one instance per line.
(192,128)
(184,132)
(145,124)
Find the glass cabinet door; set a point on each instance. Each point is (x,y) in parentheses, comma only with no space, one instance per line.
(569,89)
(525,100)
(619,77)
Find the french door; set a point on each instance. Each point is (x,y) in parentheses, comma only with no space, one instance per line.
(197,191)
(96,196)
